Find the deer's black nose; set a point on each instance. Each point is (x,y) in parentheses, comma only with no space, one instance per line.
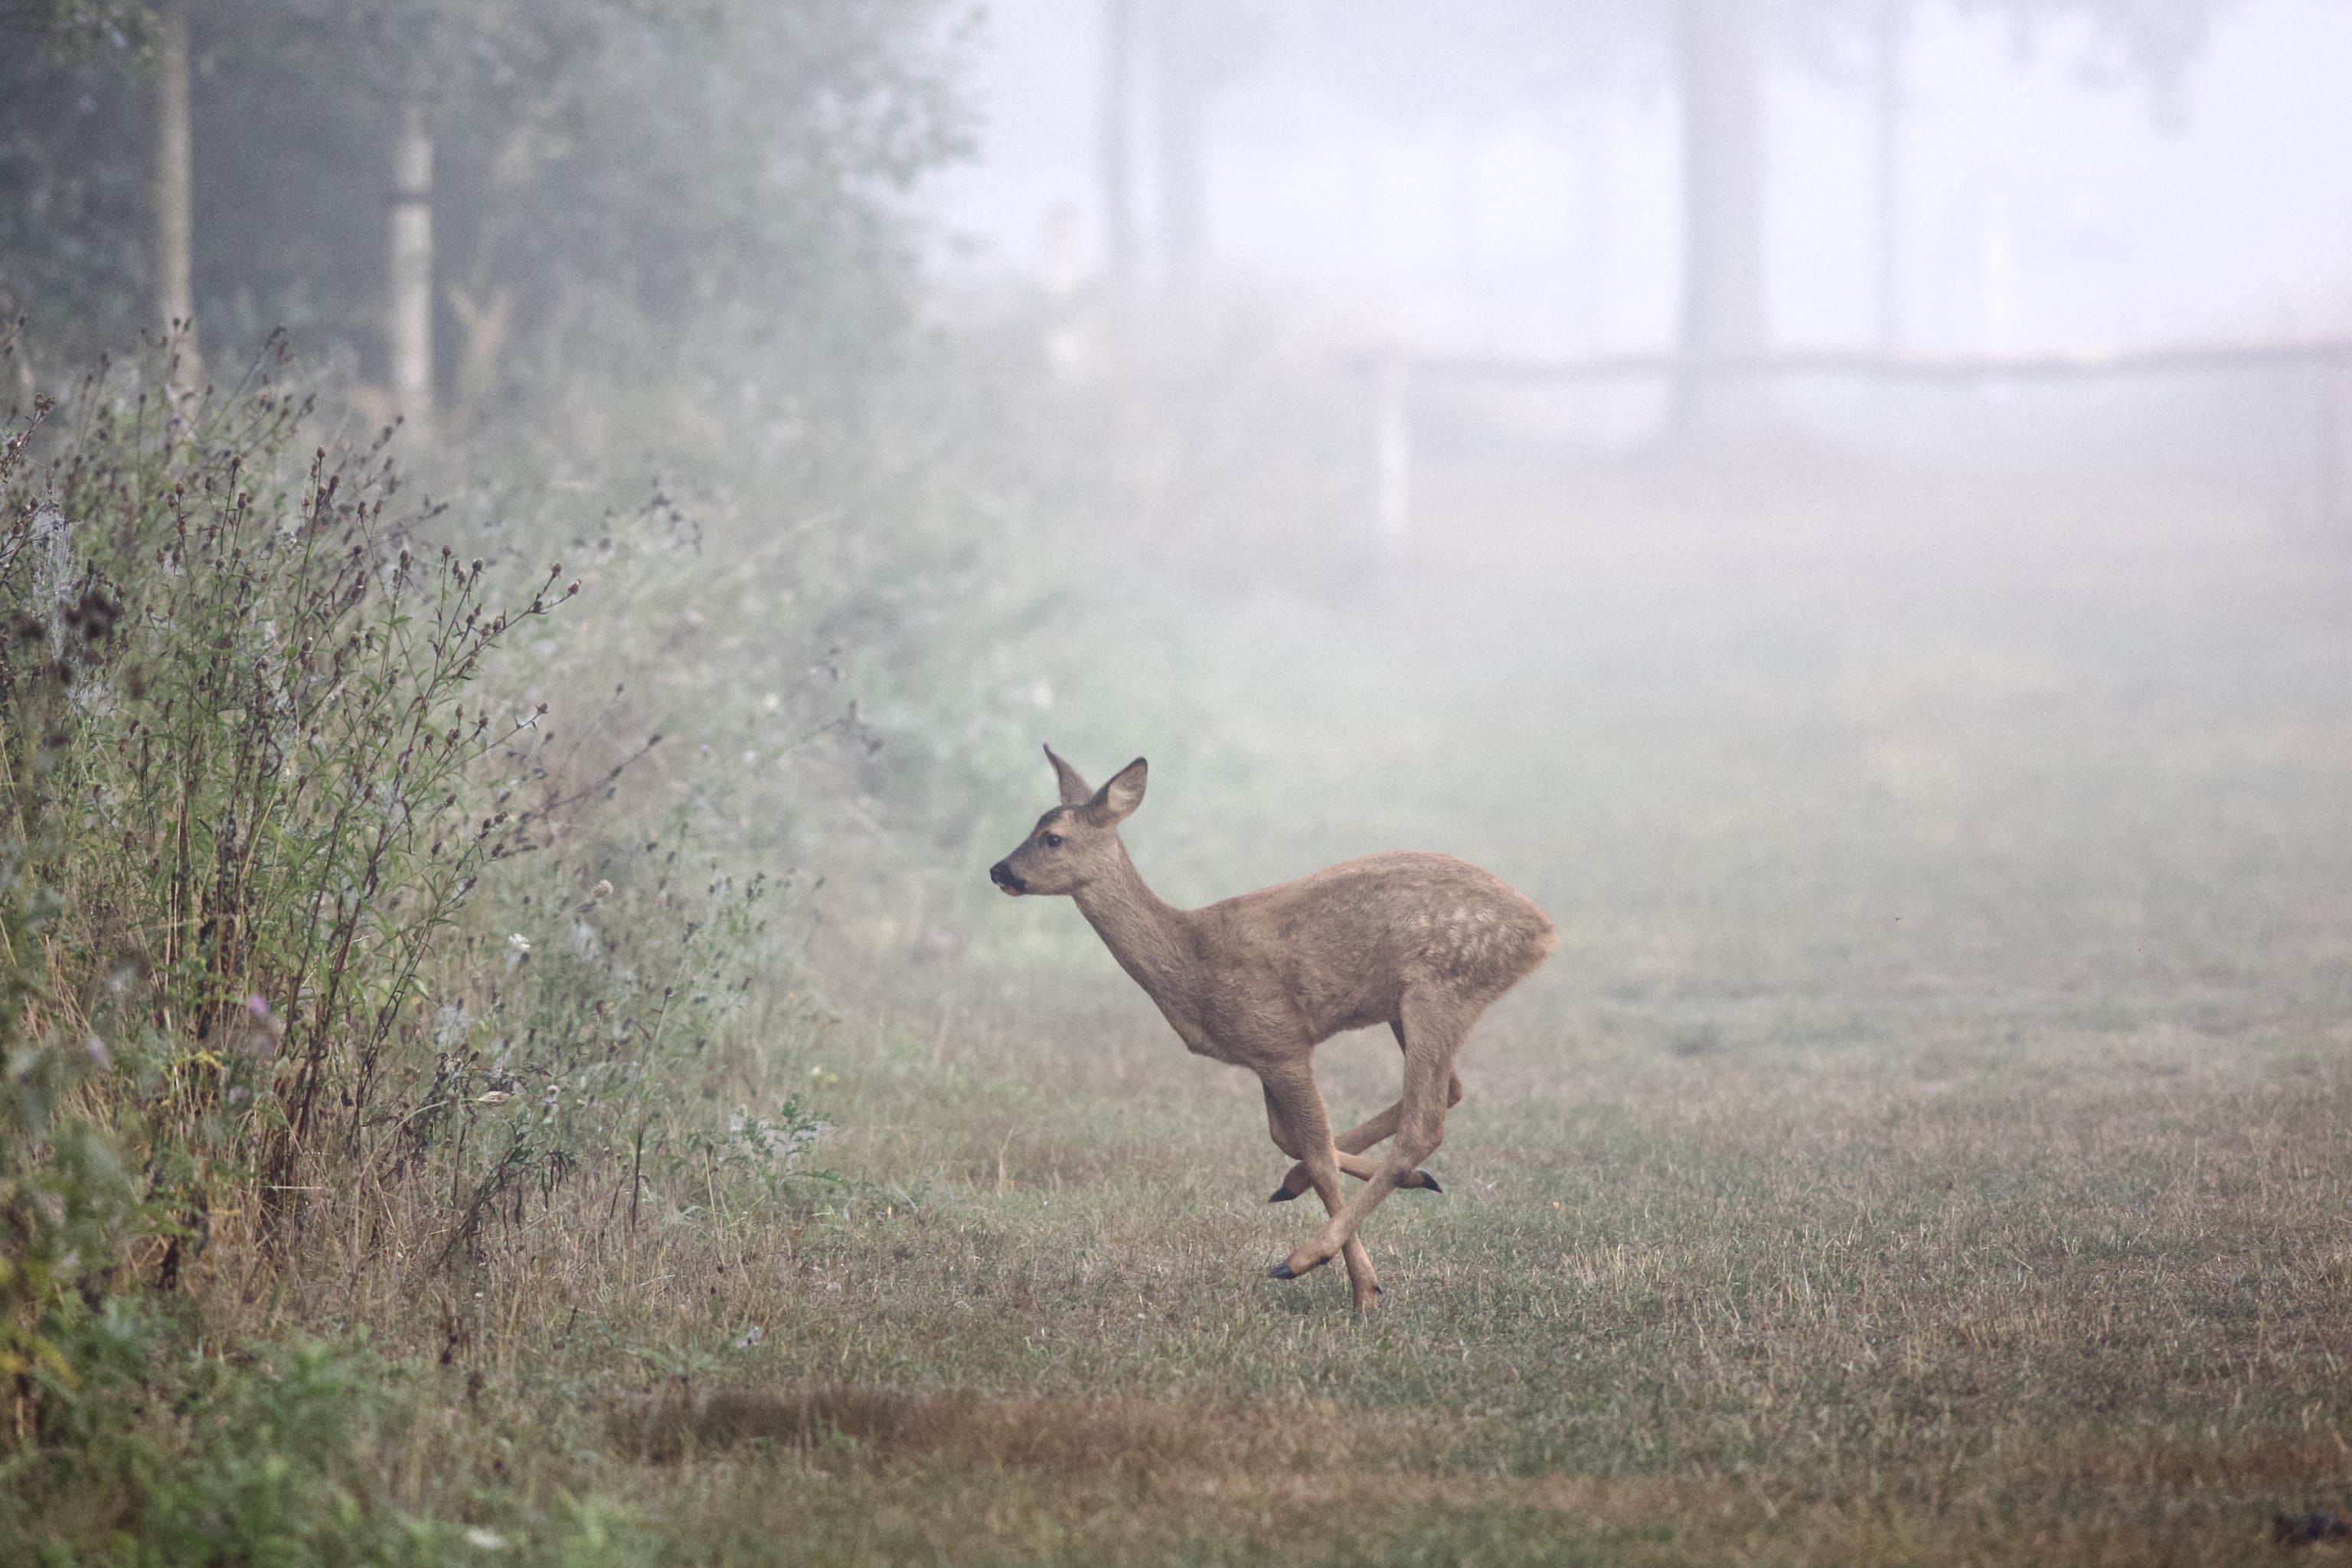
(1002,875)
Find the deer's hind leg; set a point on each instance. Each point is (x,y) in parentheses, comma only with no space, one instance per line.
(1301,1127)
(1355,1140)
(1351,1146)
(1433,1025)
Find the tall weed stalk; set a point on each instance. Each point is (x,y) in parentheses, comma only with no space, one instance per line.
(302,916)
(265,776)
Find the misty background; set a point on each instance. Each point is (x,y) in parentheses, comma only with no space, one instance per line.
(1841,500)
(1505,178)
(540,540)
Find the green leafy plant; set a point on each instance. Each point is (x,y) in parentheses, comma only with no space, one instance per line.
(271,757)
(65,1202)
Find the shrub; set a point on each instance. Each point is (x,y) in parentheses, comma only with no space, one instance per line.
(267,944)
(265,775)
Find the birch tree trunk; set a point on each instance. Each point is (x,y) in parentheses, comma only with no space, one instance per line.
(1723,219)
(408,326)
(174,194)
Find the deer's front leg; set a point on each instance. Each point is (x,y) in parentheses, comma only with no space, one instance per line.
(1301,1127)
(1351,1145)
(1355,1140)
(1434,1028)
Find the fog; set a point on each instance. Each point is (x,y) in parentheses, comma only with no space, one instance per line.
(1718,464)
(1879,674)
(543,542)
(2050,192)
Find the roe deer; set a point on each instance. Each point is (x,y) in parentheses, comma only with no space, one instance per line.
(1424,943)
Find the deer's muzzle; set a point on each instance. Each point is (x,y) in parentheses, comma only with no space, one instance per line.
(1003,875)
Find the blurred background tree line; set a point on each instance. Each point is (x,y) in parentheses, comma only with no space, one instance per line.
(1165,64)
(460,204)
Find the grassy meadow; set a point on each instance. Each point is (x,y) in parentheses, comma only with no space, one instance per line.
(1928,1144)
(540,544)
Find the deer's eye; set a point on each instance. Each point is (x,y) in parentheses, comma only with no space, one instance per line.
(1053,841)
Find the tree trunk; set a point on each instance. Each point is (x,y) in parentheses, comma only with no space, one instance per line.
(1116,170)
(174,193)
(1182,100)
(408,327)
(1723,219)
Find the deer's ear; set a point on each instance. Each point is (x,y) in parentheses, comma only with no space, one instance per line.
(1117,800)
(1076,791)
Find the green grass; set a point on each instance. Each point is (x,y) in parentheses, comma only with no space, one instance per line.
(1773,1305)
(1931,1143)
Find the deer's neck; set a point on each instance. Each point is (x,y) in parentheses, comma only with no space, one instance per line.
(1150,938)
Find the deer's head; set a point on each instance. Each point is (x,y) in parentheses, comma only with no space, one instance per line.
(1077,841)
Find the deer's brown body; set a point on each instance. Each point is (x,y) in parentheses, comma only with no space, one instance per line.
(1421,943)
(1311,959)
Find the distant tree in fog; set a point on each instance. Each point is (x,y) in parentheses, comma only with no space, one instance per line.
(1496,59)
(602,172)
(1720,52)
(156,36)
(1190,49)
(175,202)
(1491,60)
(68,26)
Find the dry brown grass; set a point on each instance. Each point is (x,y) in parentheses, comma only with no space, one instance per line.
(1932,1145)
(1742,1305)
(1075,1436)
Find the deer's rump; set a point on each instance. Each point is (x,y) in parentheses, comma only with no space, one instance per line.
(1346,945)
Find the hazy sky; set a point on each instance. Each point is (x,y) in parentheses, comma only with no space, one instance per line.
(2037,211)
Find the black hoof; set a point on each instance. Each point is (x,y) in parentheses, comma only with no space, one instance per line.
(1282,1195)
(1280,1271)
(1429,1184)
(1379,1291)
